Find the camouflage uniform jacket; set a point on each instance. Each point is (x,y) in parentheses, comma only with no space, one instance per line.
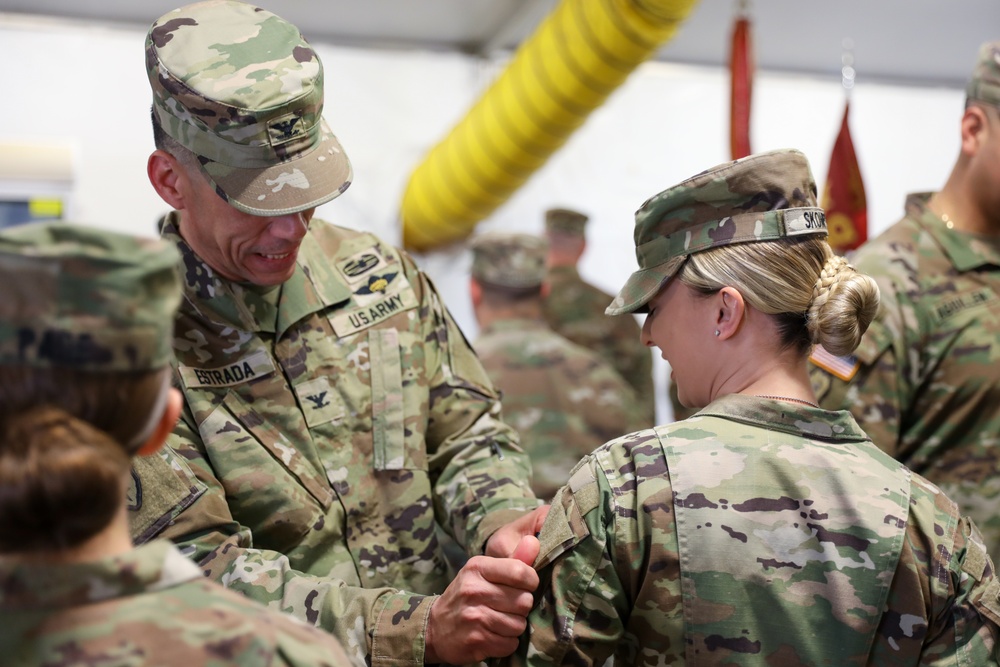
(150,606)
(325,437)
(562,399)
(575,310)
(926,377)
(758,533)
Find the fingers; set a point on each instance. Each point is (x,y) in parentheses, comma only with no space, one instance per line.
(527,550)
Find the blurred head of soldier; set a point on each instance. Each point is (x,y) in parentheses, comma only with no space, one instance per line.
(86,324)
(565,230)
(737,277)
(242,150)
(508,276)
(970,199)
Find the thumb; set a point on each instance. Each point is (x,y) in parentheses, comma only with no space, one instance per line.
(527,550)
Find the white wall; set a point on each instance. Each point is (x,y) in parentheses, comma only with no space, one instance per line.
(86,87)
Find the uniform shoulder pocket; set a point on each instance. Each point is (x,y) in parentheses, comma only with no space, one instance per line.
(161,486)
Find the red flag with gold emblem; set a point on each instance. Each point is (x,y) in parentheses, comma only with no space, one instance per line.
(844,194)
(741,86)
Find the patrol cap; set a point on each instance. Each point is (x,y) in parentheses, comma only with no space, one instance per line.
(757,198)
(984,86)
(240,87)
(87,299)
(509,259)
(565,220)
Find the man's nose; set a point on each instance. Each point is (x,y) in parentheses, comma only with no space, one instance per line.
(291,227)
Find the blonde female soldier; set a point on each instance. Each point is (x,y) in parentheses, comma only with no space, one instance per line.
(762,530)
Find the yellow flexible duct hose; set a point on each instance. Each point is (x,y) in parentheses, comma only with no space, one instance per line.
(579,54)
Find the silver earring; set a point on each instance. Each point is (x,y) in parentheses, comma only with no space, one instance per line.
(716,332)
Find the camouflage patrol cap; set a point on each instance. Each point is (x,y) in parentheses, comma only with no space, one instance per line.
(984,86)
(509,260)
(565,220)
(85,298)
(242,88)
(757,198)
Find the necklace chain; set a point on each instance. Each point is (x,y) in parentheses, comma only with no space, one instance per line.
(789,398)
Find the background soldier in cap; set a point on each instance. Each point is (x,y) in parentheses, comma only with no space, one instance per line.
(334,414)
(763,530)
(86,323)
(575,309)
(563,399)
(925,381)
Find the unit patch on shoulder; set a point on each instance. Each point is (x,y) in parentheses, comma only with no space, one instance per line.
(844,368)
(356,268)
(251,367)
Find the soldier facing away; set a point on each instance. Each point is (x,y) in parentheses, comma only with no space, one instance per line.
(763,530)
(575,309)
(563,399)
(925,381)
(86,323)
(335,418)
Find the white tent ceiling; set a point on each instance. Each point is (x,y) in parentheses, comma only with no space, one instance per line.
(913,42)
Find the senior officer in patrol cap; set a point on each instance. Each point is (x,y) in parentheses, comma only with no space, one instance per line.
(925,381)
(763,529)
(563,399)
(575,309)
(86,323)
(334,414)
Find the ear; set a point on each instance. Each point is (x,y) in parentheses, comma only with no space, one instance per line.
(974,125)
(171,413)
(546,288)
(476,292)
(167,177)
(729,312)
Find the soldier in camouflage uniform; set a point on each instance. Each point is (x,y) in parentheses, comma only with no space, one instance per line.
(575,309)
(563,399)
(763,530)
(925,381)
(85,347)
(335,418)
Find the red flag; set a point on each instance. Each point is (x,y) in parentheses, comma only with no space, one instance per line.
(844,194)
(741,88)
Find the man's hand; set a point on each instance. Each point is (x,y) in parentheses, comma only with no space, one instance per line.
(501,543)
(484,610)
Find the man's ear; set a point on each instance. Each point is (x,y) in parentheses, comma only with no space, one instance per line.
(730,309)
(546,288)
(974,124)
(475,292)
(167,177)
(171,413)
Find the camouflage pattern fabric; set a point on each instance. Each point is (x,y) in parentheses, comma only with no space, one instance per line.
(757,198)
(509,260)
(241,88)
(575,310)
(563,400)
(758,533)
(323,439)
(984,84)
(149,606)
(925,381)
(84,298)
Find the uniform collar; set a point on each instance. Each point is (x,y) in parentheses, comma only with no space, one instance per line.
(802,420)
(153,566)
(965,251)
(312,287)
